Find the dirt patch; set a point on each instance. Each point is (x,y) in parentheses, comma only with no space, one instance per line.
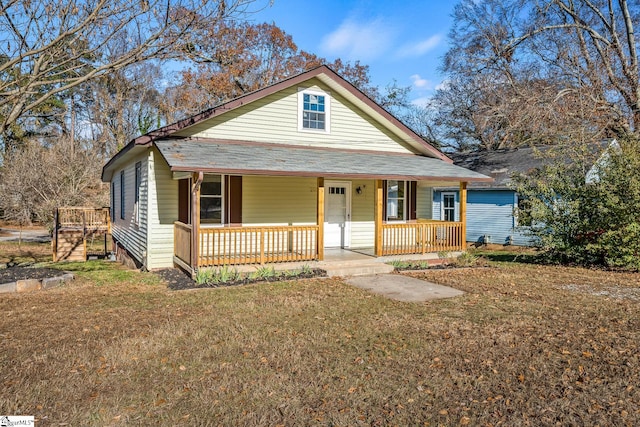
(610,291)
(13,274)
(175,278)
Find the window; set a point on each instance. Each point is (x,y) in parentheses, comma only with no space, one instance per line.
(396,200)
(313,110)
(113,201)
(211,206)
(136,206)
(121,194)
(448,206)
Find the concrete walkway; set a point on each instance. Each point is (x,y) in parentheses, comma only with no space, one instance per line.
(403,288)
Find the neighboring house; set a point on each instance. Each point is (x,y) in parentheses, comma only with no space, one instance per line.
(280,174)
(491,206)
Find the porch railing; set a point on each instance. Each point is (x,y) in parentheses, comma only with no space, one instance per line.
(421,237)
(88,218)
(257,245)
(182,242)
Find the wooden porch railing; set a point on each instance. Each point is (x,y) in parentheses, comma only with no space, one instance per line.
(421,237)
(182,241)
(256,245)
(87,218)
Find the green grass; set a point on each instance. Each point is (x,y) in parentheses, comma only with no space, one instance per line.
(520,347)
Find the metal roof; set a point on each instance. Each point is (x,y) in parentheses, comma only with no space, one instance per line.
(249,158)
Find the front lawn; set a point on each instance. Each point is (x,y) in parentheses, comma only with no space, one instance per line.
(526,345)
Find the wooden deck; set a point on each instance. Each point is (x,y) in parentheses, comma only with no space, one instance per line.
(80,232)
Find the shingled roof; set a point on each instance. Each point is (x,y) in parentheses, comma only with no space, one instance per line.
(501,165)
(250,158)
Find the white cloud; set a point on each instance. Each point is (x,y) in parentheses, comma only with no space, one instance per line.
(420,48)
(420,83)
(358,40)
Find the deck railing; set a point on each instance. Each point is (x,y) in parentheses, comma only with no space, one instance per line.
(182,241)
(421,237)
(88,218)
(257,245)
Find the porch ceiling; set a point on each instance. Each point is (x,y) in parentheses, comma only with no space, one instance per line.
(249,158)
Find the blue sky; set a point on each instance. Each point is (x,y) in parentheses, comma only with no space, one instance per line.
(403,40)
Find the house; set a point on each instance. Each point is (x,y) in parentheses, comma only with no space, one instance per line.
(491,206)
(281,174)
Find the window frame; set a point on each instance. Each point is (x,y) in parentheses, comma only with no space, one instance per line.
(122,194)
(138,184)
(443,208)
(222,202)
(404,198)
(112,211)
(327,110)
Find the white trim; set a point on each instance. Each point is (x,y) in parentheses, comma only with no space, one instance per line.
(455,204)
(347,224)
(223,203)
(405,200)
(327,108)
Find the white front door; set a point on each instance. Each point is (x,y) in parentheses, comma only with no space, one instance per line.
(337,214)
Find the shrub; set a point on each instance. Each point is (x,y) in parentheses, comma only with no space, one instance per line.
(588,223)
(622,247)
(466,259)
(204,276)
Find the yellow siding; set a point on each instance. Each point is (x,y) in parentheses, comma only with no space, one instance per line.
(362,220)
(163,212)
(275,119)
(278,200)
(131,235)
(424,202)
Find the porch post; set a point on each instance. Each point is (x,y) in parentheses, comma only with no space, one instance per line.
(463,214)
(377,213)
(320,220)
(195,218)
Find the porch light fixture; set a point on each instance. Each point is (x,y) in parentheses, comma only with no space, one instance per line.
(360,188)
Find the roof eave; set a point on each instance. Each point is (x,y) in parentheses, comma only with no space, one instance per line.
(311,174)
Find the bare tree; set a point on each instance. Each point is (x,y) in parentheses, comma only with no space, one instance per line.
(246,57)
(120,106)
(50,46)
(36,179)
(537,72)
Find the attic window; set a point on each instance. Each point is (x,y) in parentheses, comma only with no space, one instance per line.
(313,107)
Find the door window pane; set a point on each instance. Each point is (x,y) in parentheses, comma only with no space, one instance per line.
(449,207)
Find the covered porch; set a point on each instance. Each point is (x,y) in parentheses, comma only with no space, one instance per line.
(291,204)
(198,244)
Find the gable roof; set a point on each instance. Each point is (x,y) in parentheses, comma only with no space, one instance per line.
(325,75)
(251,158)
